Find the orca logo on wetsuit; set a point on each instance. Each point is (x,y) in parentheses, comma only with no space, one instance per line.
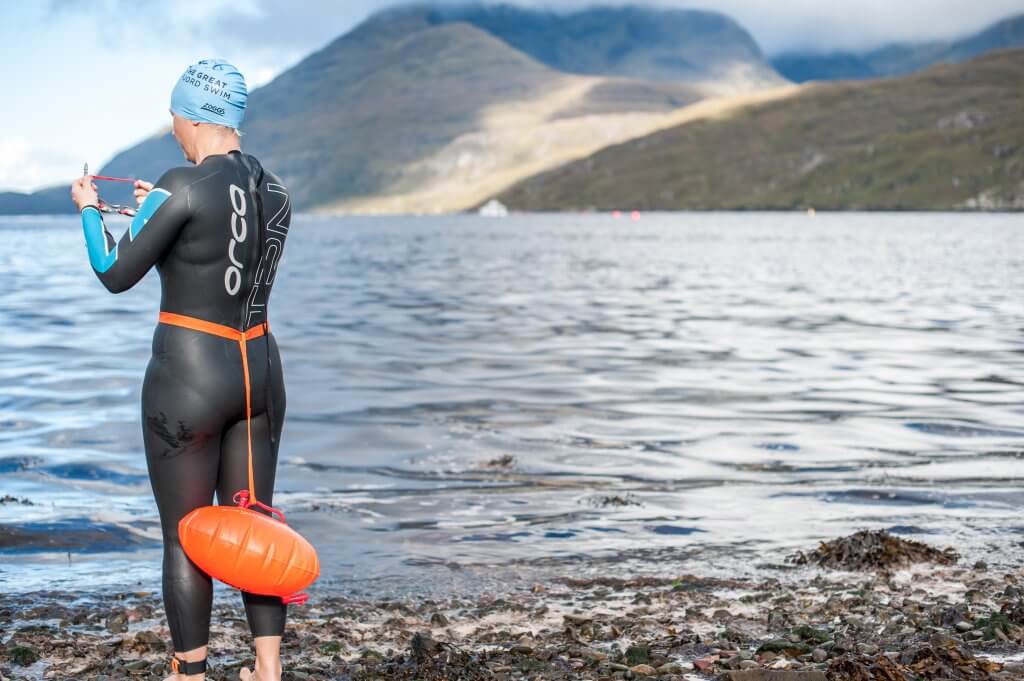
(233,274)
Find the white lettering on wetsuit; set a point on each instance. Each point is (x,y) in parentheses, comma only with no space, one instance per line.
(233,274)
(277,230)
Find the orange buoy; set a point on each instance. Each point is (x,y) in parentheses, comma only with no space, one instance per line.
(249,550)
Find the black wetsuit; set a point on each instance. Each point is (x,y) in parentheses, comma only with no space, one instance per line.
(217,259)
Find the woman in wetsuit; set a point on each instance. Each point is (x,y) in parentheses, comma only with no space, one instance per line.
(215,232)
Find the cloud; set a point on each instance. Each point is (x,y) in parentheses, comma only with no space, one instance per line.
(25,168)
(301,26)
(778,25)
(782,25)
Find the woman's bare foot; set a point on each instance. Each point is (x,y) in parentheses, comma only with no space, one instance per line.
(259,675)
(268,660)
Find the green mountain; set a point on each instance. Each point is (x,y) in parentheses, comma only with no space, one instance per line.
(946,138)
(42,202)
(421,109)
(899,59)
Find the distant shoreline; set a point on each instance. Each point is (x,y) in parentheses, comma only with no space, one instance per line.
(625,211)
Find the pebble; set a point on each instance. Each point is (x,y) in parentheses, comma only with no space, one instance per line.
(705,663)
(867,648)
(148,638)
(118,623)
(975,596)
(1014,668)
(637,654)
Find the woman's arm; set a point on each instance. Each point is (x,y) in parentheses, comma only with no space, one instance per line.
(120,265)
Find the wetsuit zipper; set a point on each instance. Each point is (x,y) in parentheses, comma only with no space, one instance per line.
(254,191)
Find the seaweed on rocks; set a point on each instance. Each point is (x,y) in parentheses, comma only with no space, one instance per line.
(873,550)
(923,623)
(426,660)
(941,658)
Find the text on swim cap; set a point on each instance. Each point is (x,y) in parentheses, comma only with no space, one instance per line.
(209,84)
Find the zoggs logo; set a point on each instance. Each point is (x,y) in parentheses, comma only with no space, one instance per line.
(233,274)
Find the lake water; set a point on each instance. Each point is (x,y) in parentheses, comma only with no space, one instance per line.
(476,400)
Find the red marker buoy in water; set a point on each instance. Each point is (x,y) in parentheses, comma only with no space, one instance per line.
(635,215)
(616,214)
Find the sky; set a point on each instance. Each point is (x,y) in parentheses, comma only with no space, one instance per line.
(86,79)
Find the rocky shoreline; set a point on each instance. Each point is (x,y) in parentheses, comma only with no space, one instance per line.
(868,607)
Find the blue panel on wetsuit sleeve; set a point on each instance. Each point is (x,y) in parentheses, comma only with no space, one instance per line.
(149,207)
(100,256)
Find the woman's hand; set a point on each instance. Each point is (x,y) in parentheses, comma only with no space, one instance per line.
(142,189)
(83,193)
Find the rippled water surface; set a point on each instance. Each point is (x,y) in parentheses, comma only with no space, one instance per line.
(566,392)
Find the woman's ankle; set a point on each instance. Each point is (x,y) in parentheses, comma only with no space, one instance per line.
(268,669)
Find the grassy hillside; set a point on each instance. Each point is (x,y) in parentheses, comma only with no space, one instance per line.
(951,137)
(515,141)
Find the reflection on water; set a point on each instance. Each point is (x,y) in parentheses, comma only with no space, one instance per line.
(712,389)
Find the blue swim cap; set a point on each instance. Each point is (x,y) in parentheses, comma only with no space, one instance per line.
(211,91)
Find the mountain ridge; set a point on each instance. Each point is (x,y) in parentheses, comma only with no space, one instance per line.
(701,47)
(899,58)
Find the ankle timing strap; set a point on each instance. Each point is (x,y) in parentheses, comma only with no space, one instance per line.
(187,668)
